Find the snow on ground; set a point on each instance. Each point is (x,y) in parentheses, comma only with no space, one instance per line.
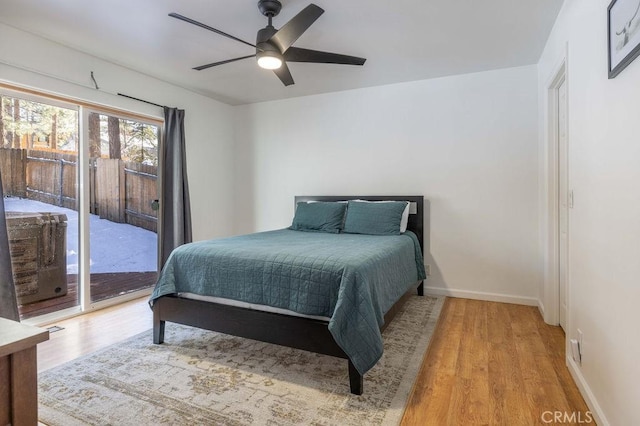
(114,247)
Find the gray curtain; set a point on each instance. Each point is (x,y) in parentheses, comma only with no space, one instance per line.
(8,301)
(176,209)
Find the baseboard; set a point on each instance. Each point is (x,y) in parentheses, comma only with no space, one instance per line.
(541,307)
(480,295)
(587,394)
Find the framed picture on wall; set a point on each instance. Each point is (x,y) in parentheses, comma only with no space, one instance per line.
(623,18)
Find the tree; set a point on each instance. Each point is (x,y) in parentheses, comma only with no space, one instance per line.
(95,150)
(16,118)
(66,128)
(53,138)
(139,142)
(114,138)
(42,125)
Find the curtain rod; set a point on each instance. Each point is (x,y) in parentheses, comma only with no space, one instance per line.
(141,100)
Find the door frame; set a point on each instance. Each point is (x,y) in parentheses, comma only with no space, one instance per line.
(551,250)
(84,304)
(85,234)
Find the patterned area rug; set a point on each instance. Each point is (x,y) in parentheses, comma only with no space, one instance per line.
(200,377)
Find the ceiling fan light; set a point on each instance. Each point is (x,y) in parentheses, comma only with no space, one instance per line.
(269,60)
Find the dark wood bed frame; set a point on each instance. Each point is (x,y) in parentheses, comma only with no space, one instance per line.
(296,332)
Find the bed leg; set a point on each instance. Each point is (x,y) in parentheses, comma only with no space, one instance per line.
(421,288)
(355,380)
(158,330)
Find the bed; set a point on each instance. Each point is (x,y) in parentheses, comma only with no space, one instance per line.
(325,292)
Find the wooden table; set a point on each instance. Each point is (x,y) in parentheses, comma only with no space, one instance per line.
(19,372)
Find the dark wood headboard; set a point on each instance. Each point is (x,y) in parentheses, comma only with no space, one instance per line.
(416,210)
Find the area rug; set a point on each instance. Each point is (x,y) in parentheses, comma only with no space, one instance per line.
(200,377)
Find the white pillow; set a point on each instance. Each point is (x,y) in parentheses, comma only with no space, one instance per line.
(405,218)
(405,213)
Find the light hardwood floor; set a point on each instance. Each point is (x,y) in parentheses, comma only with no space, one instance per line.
(88,333)
(494,364)
(488,363)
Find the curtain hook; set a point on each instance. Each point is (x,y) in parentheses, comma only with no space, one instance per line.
(94,81)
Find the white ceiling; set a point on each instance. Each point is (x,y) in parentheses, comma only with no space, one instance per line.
(403,40)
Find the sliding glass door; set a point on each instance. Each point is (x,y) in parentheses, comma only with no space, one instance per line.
(81,190)
(123,193)
(39,166)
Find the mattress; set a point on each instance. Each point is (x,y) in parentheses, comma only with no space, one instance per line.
(252,306)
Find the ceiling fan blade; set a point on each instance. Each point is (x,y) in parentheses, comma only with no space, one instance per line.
(204,67)
(297,54)
(293,29)
(284,74)
(206,27)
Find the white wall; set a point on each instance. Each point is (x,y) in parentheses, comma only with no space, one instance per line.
(604,173)
(467,143)
(31,61)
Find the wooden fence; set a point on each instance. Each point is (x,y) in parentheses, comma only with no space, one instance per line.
(13,167)
(51,178)
(119,191)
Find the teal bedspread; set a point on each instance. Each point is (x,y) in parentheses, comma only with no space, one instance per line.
(353,279)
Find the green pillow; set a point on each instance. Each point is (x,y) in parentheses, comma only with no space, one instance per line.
(319,217)
(374,218)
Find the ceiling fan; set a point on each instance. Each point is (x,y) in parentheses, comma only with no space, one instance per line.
(274,47)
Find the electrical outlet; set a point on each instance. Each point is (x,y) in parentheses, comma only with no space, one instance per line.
(427,269)
(577,347)
(580,342)
(575,351)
